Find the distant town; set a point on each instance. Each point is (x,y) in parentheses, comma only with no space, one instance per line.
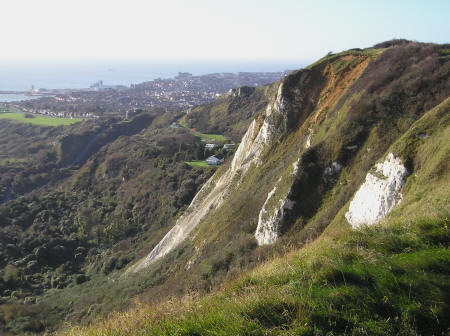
(99,100)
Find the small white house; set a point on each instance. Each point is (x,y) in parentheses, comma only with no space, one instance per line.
(210,146)
(229,146)
(214,160)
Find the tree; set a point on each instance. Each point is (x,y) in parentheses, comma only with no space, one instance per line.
(199,155)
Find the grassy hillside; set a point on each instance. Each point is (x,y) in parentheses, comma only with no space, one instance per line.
(312,139)
(76,225)
(352,286)
(353,107)
(391,278)
(39,120)
(366,105)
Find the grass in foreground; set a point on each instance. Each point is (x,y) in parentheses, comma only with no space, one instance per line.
(382,280)
(39,120)
(392,278)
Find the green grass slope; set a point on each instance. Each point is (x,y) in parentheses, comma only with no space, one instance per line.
(39,120)
(62,246)
(367,104)
(392,278)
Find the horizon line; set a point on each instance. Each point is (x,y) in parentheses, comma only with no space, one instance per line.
(155,60)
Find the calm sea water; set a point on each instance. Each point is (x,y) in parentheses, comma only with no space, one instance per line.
(7,98)
(57,75)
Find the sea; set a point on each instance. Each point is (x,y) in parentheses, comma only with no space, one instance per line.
(22,76)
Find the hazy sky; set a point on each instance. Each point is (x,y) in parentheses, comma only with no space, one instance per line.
(211,29)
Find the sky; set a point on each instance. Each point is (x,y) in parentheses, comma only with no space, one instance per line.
(211,29)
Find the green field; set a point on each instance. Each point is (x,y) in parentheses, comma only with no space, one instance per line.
(216,137)
(39,120)
(204,136)
(199,163)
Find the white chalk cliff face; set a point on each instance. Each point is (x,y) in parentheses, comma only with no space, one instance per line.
(257,136)
(213,193)
(308,139)
(379,194)
(270,221)
(268,227)
(266,232)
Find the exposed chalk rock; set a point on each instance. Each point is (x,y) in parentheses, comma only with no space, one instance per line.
(351,148)
(331,173)
(268,228)
(280,101)
(379,194)
(295,167)
(333,169)
(257,136)
(241,91)
(308,139)
(198,208)
(266,233)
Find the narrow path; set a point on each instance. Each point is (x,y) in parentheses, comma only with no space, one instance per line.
(82,155)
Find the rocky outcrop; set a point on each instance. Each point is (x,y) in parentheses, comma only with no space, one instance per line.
(259,133)
(295,167)
(266,231)
(331,173)
(241,91)
(270,221)
(269,225)
(379,194)
(308,139)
